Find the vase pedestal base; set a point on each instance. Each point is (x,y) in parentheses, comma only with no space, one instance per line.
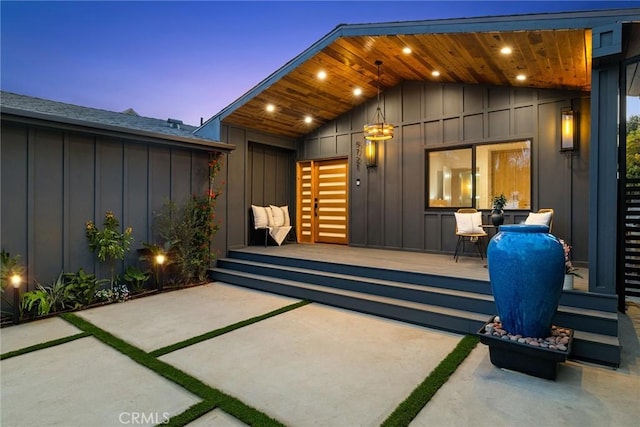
(521,357)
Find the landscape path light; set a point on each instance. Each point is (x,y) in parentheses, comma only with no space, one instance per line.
(16,279)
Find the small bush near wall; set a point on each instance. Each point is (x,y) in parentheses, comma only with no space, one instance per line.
(186,233)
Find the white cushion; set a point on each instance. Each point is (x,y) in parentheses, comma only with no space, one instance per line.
(285,213)
(270,219)
(260,218)
(538,218)
(469,223)
(278,216)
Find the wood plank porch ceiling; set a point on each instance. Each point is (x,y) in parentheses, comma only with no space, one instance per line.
(551,59)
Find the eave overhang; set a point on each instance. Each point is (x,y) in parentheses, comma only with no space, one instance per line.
(552,50)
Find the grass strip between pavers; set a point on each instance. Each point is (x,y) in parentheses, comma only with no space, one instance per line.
(43,345)
(212,397)
(208,335)
(412,405)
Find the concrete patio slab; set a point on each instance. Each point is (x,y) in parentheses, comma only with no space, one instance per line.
(85,383)
(481,394)
(217,418)
(315,365)
(319,365)
(160,320)
(36,332)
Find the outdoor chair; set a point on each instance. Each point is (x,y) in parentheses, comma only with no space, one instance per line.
(542,217)
(468,229)
(271,220)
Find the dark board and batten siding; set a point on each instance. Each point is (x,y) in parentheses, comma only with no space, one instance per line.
(261,171)
(54,181)
(388,210)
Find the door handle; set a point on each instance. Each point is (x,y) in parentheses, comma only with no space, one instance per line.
(315,207)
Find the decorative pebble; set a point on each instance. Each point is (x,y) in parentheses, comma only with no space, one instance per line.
(558,340)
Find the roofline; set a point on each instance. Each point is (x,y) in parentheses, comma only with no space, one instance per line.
(524,22)
(25,116)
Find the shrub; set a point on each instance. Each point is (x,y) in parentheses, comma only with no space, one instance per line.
(109,244)
(136,278)
(188,232)
(44,300)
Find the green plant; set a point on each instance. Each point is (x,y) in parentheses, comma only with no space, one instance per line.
(136,278)
(82,287)
(36,303)
(109,244)
(499,202)
(44,300)
(189,230)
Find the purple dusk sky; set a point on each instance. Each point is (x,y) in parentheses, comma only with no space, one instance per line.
(188,60)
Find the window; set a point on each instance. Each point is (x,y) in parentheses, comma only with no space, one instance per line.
(471,177)
(450,182)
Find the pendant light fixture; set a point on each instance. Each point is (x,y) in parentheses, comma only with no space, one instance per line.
(378,130)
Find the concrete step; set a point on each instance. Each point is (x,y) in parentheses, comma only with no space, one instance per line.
(575,318)
(589,346)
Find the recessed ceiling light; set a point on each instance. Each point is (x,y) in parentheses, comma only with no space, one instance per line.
(322,75)
(521,77)
(271,108)
(357,91)
(308,119)
(506,50)
(406,50)
(435,73)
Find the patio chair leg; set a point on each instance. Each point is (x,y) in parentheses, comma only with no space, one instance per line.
(479,245)
(266,236)
(455,255)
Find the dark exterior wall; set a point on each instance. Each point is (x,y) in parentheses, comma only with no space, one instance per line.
(55,180)
(261,171)
(388,209)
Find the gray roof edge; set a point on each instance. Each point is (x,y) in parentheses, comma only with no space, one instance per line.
(198,142)
(539,21)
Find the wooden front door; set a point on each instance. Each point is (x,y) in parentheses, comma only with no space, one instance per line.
(322,201)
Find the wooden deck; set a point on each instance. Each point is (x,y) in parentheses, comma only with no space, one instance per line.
(469,267)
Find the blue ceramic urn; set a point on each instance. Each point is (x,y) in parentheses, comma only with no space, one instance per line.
(526,271)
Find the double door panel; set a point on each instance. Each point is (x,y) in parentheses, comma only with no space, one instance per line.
(322,198)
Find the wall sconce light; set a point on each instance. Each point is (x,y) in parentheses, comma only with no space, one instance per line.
(371,153)
(568,137)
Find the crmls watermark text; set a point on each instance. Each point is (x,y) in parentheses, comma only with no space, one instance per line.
(134,418)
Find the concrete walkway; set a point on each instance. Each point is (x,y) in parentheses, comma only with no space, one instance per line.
(311,366)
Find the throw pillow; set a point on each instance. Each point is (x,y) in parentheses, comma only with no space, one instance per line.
(278,216)
(285,213)
(260,219)
(538,218)
(270,220)
(469,223)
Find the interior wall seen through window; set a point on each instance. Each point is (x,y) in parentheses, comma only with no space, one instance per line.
(456,179)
